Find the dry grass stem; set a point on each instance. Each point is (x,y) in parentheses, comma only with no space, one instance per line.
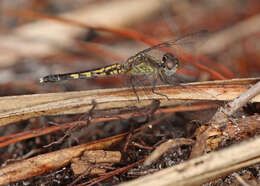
(206,168)
(17,108)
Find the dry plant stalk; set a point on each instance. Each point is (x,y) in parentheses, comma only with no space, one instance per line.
(216,164)
(223,127)
(17,108)
(14,138)
(164,147)
(205,168)
(50,161)
(77,102)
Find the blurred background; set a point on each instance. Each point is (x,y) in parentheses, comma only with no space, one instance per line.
(45,37)
(42,37)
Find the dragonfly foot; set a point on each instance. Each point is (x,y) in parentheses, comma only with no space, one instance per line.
(161,94)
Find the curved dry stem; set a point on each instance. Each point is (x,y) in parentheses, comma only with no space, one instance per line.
(17,108)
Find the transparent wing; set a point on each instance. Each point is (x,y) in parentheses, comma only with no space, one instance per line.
(188,43)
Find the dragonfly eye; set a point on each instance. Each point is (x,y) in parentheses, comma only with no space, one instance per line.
(164,59)
(170,64)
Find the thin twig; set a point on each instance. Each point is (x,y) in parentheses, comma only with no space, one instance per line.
(223,114)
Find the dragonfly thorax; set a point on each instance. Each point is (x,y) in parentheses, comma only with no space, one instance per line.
(169,64)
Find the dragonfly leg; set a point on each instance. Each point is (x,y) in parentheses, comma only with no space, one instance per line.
(153,89)
(133,86)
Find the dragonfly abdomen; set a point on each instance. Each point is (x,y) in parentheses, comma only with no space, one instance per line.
(111,70)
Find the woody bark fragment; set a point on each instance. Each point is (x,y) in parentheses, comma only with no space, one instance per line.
(92,159)
(222,125)
(50,161)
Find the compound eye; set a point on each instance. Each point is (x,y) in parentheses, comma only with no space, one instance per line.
(165,57)
(170,65)
(170,61)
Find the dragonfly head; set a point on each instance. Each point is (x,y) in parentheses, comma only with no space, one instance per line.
(170,64)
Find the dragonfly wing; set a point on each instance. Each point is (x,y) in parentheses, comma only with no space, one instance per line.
(187,43)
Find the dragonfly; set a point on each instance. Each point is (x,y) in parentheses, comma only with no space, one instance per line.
(145,63)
